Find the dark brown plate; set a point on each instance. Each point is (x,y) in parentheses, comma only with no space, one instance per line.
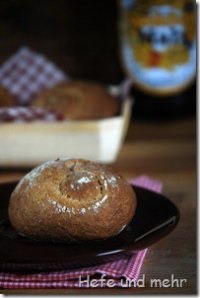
(155,217)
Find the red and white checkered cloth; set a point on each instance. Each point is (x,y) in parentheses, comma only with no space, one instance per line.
(26,73)
(29,114)
(103,275)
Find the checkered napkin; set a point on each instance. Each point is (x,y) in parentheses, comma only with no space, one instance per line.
(26,73)
(113,274)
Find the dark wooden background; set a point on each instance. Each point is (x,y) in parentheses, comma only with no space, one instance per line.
(81,37)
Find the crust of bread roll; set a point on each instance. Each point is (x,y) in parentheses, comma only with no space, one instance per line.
(71,200)
(6,99)
(79,100)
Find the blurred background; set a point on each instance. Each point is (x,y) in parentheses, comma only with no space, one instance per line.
(82,38)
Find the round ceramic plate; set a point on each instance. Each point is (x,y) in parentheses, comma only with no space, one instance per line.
(155,217)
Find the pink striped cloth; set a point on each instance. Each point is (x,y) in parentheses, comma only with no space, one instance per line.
(120,273)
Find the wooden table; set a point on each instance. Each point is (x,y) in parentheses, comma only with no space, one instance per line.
(166,152)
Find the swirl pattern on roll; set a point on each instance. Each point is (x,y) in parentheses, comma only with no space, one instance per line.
(71,200)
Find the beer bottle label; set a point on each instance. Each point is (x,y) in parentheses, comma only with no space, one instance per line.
(158,43)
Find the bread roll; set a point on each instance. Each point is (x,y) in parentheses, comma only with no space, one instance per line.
(71,200)
(79,100)
(6,99)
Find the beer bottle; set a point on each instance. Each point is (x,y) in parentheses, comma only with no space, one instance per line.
(158,51)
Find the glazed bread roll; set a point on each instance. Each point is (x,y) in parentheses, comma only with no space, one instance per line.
(79,100)
(71,200)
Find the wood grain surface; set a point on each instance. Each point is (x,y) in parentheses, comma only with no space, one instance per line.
(166,152)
